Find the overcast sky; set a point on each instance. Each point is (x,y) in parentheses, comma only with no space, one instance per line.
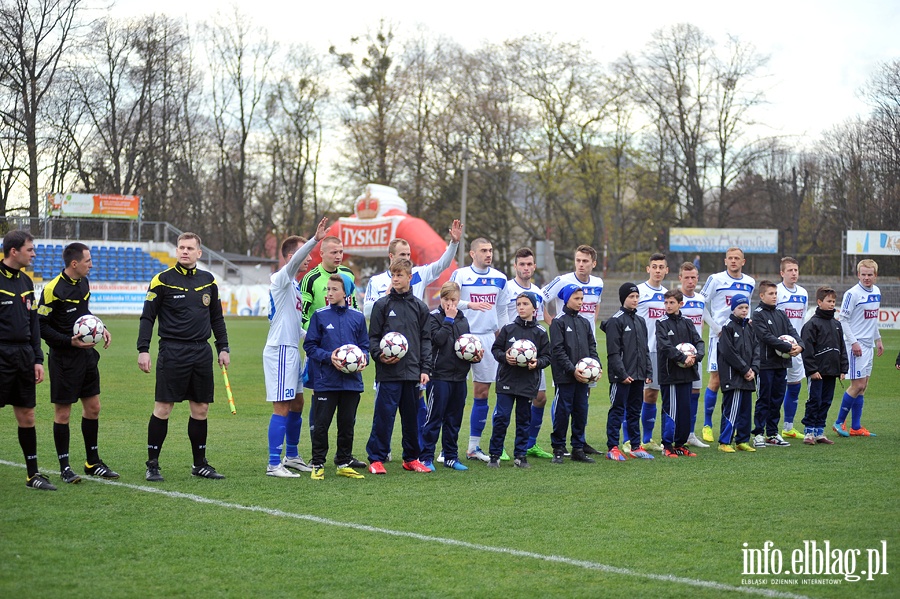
(821,52)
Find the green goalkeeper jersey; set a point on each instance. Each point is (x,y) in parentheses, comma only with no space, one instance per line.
(312,291)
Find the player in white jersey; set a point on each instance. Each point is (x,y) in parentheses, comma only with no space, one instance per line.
(718,291)
(281,356)
(591,286)
(693,309)
(524,265)
(380,284)
(422,276)
(859,318)
(652,307)
(792,300)
(479,284)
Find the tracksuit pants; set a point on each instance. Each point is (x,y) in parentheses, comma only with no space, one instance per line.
(769,397)
(625,405)
(737,405)
(345,404)
(389,397)
(818,402)
(502,414)
(677,425)
(571,400)
(446,404)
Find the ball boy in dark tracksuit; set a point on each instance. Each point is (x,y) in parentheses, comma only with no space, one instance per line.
(331,327)
(675,380)
(628,360)
(738,359)
(571,339)
(824,360)
(769,324)
(398,379)
(516,385)
(447,388)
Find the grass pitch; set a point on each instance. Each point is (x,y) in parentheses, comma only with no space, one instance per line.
(666,528)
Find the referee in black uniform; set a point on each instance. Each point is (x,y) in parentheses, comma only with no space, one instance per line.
(74,372)
(21,357)
(186,302)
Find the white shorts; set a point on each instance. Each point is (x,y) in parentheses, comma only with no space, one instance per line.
(654,372)
(282,366)
(698,384)
(486,370)
(711,354)
(860,367)
(796,372)
(542,386)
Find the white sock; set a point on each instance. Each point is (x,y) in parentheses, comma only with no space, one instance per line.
(788,426)
(474,442)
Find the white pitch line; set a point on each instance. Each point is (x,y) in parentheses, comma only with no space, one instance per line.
(588,565)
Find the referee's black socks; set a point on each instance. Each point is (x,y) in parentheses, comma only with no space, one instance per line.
(61,439)
(197,434)
(28,442)
(89,430)
(156,434)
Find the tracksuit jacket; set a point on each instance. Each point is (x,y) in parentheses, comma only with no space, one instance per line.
(329,328)
(823,338)
(628,354)
(518,380)
(401,313)
(738,354)
(572,340)
(671,330)
(445,364)
(769,323)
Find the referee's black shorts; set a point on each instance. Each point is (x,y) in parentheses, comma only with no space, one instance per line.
(74,374)
(17,386)
(184,371)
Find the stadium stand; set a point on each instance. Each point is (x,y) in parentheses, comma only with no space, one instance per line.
(111,263)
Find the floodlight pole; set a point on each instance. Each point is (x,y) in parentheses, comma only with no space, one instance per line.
(461,252)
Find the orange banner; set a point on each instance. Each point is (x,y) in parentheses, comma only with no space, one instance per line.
(85,205)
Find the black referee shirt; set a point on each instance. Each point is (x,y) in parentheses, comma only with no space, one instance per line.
(62,301)
(18,319)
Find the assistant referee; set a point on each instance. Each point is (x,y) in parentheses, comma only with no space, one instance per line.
(186,302)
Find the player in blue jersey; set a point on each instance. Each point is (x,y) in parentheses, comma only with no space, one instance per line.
(859,317)
(718,291)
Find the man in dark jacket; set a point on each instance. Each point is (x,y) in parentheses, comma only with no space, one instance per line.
(738,361)
(824,360)
(397,379)
(517,384)
(628,360)
(770,324)
(570,341)
(677,372)
(329,328)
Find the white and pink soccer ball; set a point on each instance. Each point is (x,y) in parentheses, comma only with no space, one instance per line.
(89,329)
(394,345)
(790,340)
(351,358)
(468,347)
(687,349)
(590,368)
(523,351)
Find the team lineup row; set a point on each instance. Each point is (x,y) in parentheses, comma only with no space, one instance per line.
(649,345)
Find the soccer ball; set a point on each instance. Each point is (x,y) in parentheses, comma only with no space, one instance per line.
(523,351)
(790,340)
(394,345)
(590,368)
(468,347)
(89,329)
(351,358)
(687,349)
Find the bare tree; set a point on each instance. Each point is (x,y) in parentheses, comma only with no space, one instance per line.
(34,35)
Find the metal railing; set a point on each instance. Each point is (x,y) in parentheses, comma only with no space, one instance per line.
(134,231)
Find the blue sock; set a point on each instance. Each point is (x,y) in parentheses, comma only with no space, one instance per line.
(709,406)
(695,404)
(537,418)
(791,397)
(856,412)
(648,420)
(625,437)
(421,417)
(846,403)
(277,425)
(479,416)
(292,434)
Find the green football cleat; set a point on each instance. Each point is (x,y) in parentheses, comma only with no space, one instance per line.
(535,451)
(504,456)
